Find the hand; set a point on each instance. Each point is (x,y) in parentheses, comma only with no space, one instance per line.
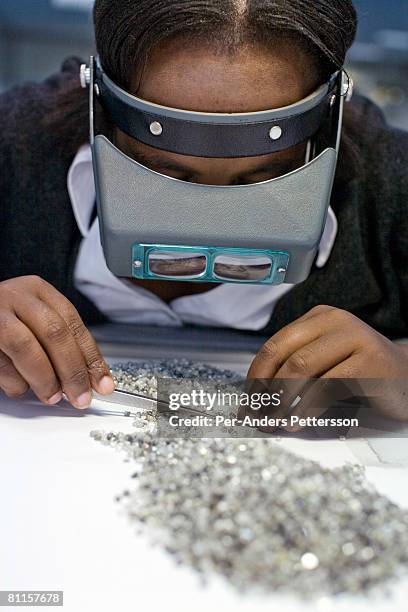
(329,343)
(45,345)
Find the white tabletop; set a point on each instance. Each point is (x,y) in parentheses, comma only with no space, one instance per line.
(61,528)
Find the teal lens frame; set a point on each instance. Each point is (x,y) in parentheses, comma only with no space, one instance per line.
(270,271)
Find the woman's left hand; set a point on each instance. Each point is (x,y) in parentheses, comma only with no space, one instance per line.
(328,343)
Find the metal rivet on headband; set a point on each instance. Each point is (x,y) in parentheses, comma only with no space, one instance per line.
(156,128)
(85,76)
(275,132)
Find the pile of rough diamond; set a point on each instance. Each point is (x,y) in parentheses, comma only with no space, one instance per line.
(265,519)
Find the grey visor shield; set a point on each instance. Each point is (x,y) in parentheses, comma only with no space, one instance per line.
(223,233)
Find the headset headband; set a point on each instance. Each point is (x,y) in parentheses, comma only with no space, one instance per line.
(215,134)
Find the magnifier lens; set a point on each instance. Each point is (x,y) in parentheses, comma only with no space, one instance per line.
(176,263)
(246,268)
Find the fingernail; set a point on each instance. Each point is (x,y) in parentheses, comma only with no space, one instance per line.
(106,386)
(292,428)
(84,400)
(54,399)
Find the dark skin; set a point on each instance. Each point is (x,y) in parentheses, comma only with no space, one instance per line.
(252,81)
(327,342)
(44,344)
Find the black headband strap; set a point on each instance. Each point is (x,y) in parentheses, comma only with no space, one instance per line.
(216,134)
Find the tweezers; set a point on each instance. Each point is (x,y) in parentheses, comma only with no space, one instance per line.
(125,403)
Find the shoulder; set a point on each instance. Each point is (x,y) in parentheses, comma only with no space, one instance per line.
(382,158)
(384,148)
(23,101)
(23,108)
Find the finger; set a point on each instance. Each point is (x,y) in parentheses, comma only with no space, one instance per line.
(385,397)
(338,383)
(11,382)
(314,395)
(29,359)
(276,394)
(290,382)
(316,402)
(254,389)
(275,351)
(63,352)
(99,372)
(317,357)
(311,362)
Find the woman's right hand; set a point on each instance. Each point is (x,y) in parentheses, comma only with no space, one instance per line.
(45,346)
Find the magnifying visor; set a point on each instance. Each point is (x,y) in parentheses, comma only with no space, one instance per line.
(208,264)
(157,227)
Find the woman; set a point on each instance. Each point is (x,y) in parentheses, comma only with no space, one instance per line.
(213,56)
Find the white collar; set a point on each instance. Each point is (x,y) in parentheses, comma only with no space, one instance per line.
(81,189)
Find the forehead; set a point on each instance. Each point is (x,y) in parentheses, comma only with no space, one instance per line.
(195,77)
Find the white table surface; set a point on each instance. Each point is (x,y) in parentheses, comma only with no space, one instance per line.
(60,528)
